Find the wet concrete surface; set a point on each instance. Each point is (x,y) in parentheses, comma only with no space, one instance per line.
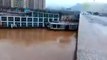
(92,38)
(36,44)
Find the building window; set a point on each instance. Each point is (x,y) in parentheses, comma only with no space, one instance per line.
(59,26)
(45,15)
(9,24)
(35,14)
(29,24)
(40,19)
(56,16)
(23,24)
(40,24)
(35,19)
(40,14)
(29,14)
(4,24)
(35,24)
(45,19)
(23,19)
(4,18)
(29,19)
(54,26)
(17,23)
(17,19)
(50,20)
(51,15)
(55,20)
(10,18)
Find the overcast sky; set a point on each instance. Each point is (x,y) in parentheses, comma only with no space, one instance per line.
(64,3)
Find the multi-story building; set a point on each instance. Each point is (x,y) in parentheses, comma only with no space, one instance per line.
(41,19)
(17,3)
(1,3)
(32,4)
(34,18)
(5,3)
(41,4)
(35,4)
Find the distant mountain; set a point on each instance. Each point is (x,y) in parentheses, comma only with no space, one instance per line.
(77,7)
(94,7)
(55,7)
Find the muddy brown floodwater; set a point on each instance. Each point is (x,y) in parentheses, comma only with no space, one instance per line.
(36,44)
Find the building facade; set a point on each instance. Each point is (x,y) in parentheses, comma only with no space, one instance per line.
(35,4)
(31,4)
(17,3)
(1,3)
(41,4)
(5,3)
(39,19)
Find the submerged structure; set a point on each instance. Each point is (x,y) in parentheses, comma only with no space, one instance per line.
(25,18)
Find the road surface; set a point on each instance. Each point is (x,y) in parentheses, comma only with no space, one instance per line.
(92,38)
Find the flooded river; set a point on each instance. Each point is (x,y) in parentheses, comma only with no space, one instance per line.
(36,44)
